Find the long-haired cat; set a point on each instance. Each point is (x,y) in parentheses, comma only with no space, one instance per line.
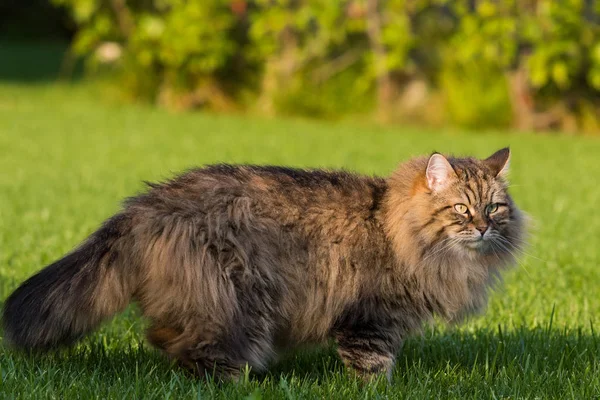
(231,264)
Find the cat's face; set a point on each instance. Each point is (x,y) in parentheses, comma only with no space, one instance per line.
(472,211)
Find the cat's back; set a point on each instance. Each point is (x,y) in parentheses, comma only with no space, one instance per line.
(280,178)
(265,187)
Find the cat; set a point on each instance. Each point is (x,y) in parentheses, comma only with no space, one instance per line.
(233,264)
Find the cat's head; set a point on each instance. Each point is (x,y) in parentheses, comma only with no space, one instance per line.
(441,207)
(468,208)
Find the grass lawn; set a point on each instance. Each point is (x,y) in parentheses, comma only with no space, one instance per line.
(67,158)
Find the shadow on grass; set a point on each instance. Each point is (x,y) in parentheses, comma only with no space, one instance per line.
(28,62)
(481,352)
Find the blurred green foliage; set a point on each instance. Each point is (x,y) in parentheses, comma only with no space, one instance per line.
(532,64)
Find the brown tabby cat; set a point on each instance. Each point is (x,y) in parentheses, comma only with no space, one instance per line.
(232,264)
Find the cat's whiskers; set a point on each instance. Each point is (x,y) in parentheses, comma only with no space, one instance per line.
(520,249)
(508,250)
(447,244)
(492,244)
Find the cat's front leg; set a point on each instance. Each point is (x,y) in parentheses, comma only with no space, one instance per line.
(368,354)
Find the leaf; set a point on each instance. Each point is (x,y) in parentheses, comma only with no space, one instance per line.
(83,10)
(560,74)
(537,72)
(152,26)
(593,77)
(486,9)
(595,53)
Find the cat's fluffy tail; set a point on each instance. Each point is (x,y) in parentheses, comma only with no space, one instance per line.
(73,295)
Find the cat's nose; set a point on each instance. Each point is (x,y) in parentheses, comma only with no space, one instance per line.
(481,229)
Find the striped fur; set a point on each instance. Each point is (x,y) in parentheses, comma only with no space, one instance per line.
(233,264)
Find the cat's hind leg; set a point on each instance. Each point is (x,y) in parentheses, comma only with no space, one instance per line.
(206,350)
(226,355)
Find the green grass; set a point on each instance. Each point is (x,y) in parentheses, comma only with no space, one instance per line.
(67,158)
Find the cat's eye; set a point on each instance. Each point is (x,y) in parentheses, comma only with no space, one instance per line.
(492,208)
(461,208)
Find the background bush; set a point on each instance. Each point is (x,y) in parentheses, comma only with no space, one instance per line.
(530,64)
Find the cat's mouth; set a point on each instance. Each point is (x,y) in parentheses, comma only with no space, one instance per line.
(479,244)
(482,245)
(476,244)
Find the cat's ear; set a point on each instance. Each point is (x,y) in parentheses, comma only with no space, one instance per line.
(439,172)
(499,162)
